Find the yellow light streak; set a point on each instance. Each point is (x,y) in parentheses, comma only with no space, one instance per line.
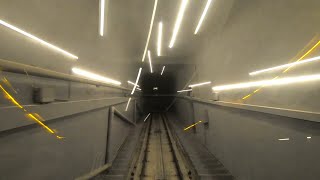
(192,125)
(60,137)
(31,116)
(35,117)
(8,96)
(5,81)
(307,53)
(286,70)
(246,96)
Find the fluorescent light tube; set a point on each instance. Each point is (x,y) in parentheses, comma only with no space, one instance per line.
(182,9)
(203,16)
(38,39)
(95,77)
(150,29)
(128,104)
(101,13)
(199,84)
(274,82)
(146,117)
(285,66)
(137,80)
(150,63)
(132,83)
(163,69)
(185,90)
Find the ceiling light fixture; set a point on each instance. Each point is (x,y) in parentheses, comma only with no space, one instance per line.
(146,117)
(185,90)
(163,69)
(132,83)
(128,104)
(203,16)
(38,39)
(159,39)
(150,63)
(285,66)
(137,80)
(101,14)
(273,82)
(182,9)
(284,139)
(150,29)
(95,77)
(199,84)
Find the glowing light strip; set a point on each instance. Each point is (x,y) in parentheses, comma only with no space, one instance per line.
(150,63)
(186,90)
(199,84)
(102,7)
(39,122)
(38,39)
(284,139)
(285,66)
(192,125)
(132,83)
(95,77)
(139,89)
(178,22)
(163,69)
(309,137)
(203,16)
(29,115)
(150,29)
(137,80)
(146,117)
(288,69)
(128,104)
(272,82)
(159,39)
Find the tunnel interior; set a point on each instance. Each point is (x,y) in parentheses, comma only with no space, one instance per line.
(159,89)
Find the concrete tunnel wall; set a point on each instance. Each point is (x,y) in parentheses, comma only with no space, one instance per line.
(30,152)
(256,35)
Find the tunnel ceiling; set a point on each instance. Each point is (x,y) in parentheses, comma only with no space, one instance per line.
(73,25)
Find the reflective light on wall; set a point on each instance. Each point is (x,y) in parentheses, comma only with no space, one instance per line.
(38,39)
(101,14)
(203,16)
(159,39)
(132,83)
(185,90)
(128,104)
(192,125)
(96,77)
(146,117)
(284,139)
(150,29)
(274,82)
(163,69)
(137,80)
(199,84)
(182,9)
(150,63)
(285,66)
